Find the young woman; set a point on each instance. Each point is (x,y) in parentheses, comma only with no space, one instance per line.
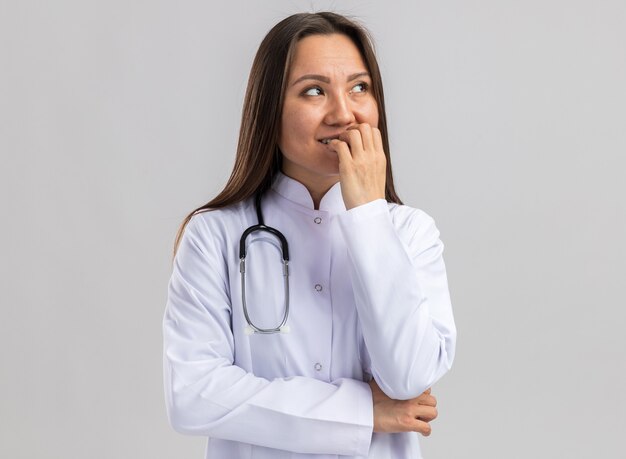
(320,332)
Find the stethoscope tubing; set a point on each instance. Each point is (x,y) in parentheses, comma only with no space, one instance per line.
(261,227)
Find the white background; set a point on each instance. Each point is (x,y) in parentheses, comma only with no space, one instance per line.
(507,123)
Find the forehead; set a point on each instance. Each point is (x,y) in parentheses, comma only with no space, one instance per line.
(334,53)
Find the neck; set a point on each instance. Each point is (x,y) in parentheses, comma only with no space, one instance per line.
(317,196)
(318,190)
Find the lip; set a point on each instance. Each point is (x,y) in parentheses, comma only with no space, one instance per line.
(336,135)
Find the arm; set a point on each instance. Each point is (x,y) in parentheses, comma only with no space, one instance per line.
(402,297)
(206,394)
(398,274)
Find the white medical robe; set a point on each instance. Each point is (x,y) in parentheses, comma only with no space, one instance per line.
(368,298)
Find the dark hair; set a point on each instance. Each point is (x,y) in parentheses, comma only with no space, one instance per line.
(258,156)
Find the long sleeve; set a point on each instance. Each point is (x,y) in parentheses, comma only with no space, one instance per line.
(401,294)
(206,394)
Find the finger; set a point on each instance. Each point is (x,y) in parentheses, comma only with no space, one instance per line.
(353,138)
(378,145)
(343,152)
(424,399)
(426,413)
(367,137)
(422,427)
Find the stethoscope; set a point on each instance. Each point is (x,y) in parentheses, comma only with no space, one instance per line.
(251,328)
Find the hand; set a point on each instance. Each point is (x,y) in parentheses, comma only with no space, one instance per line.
(403,415)
(362,165)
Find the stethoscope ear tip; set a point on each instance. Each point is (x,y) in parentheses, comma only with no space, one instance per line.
(285,329)
(248,330)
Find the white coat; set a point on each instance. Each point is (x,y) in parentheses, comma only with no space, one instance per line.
(369,298)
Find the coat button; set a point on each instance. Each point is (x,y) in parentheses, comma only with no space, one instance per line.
(318,366)
(317,220)
(318,287)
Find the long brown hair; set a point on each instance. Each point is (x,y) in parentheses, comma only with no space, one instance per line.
(258,156)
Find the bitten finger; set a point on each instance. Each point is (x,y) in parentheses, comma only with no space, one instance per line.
(352,137)
(343,151)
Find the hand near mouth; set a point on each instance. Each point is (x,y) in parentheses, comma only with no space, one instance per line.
(362,165)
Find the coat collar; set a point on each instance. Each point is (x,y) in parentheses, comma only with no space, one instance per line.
(296,192)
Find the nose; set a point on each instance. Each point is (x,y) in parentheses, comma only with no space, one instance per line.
(339,112)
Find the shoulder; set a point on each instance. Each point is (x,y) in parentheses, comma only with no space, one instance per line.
(215,218)
(214,227)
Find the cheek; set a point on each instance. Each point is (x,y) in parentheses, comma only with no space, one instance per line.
(373,114)
(374,120)
(297,123)
(368,113)
(292,131)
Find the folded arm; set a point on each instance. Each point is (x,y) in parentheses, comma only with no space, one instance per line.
(206,394)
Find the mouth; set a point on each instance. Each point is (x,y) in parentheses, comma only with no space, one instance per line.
(327,140)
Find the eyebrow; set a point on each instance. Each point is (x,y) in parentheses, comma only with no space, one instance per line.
(324,79)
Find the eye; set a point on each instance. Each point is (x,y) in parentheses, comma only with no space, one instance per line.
(313,91)
(359,87)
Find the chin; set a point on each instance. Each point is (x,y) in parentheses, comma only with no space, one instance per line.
(331,169)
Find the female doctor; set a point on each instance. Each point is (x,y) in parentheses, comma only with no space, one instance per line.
(320,336)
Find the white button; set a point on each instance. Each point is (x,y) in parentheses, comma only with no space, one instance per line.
(318,287)
(318,366)
(317,220)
